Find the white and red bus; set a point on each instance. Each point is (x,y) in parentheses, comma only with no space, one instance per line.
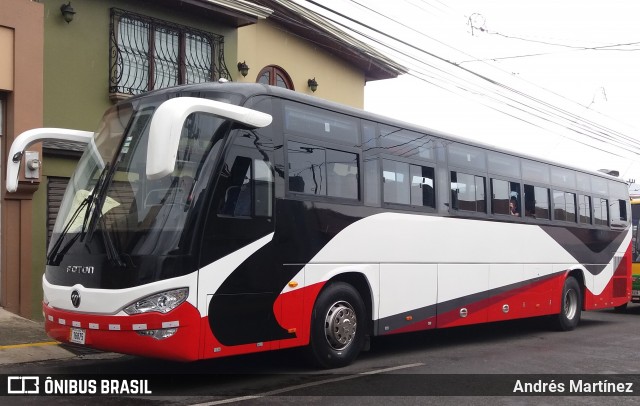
(219,219)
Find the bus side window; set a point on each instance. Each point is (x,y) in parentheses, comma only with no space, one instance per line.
(263,188)
(536,202)
(237,195)
(601,211)
(248,190)
(468,192)
(505,197)
(529,202)
(323,171)
(584,203)
(564,204)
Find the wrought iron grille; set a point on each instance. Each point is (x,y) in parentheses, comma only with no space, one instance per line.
(147,54)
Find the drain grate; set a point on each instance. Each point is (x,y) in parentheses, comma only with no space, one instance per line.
(80,349)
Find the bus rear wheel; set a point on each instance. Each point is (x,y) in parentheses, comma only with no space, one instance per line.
(337,326)
(570,306)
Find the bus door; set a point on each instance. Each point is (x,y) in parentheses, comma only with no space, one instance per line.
(237,241)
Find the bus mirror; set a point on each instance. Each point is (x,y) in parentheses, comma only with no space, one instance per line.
(168,120)
(27,138)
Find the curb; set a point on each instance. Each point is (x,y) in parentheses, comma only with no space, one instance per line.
(23,340)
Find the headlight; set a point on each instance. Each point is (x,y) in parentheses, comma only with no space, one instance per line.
(162,302)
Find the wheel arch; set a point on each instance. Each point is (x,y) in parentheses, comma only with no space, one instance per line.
(578,275)
(360,282)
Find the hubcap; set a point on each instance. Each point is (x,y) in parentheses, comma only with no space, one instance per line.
(570,305)
(340,325)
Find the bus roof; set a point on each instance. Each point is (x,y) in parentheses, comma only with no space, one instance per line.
(247,90)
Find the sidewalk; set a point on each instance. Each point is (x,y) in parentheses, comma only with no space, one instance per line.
(23,340)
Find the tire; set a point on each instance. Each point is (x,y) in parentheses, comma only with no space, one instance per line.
(337,326)
(621,309)
(570,306)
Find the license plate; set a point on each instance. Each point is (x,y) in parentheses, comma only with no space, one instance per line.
(78,335)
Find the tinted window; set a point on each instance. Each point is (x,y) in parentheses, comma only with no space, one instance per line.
(342,174)
(249,189)
(321,123)
(322,171)
(368,136)
(406,183)
(619,211)
(624,214)
(563,178)
(242,198)
(406,143)
(536,202)
(619,190)
(422,186)
(502,164)
(583,182)
(584,203)
(396,182)
(599,186)
(505,197)
(467,156)
(468,192)
(372,182)
(307,172)
(535,171)
(570,206)
(263,188)
(564,206)
(600,211)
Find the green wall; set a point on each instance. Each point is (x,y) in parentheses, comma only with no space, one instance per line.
(76,76)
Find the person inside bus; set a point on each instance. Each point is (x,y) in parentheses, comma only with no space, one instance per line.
(513,206)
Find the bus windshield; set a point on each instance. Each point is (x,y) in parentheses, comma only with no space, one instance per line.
(110,206)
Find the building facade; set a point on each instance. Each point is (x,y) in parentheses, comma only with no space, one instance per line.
(21,108)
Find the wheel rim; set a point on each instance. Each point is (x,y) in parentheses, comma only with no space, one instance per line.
(340,325)
(570,303)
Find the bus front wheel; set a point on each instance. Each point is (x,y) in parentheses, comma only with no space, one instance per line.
(570,306)
(337,326)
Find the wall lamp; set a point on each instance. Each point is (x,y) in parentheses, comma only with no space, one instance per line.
(243,68)
(67,12)
(313,85)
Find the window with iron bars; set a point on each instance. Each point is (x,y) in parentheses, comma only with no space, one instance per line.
(147,54)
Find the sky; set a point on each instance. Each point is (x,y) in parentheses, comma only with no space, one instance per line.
(574,66)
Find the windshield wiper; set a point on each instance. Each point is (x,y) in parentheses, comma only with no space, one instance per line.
(95,216)
(88,203)
(110,249)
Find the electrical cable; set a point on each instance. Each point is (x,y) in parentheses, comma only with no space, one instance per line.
(597,130)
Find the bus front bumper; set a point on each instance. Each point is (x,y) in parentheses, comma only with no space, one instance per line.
(174,335)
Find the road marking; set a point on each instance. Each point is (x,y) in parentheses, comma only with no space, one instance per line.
(307,385)
(8,347)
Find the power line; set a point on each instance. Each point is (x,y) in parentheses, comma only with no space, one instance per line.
(578,48)
(611,47)
(594,130)
(454,84)
(483,77)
